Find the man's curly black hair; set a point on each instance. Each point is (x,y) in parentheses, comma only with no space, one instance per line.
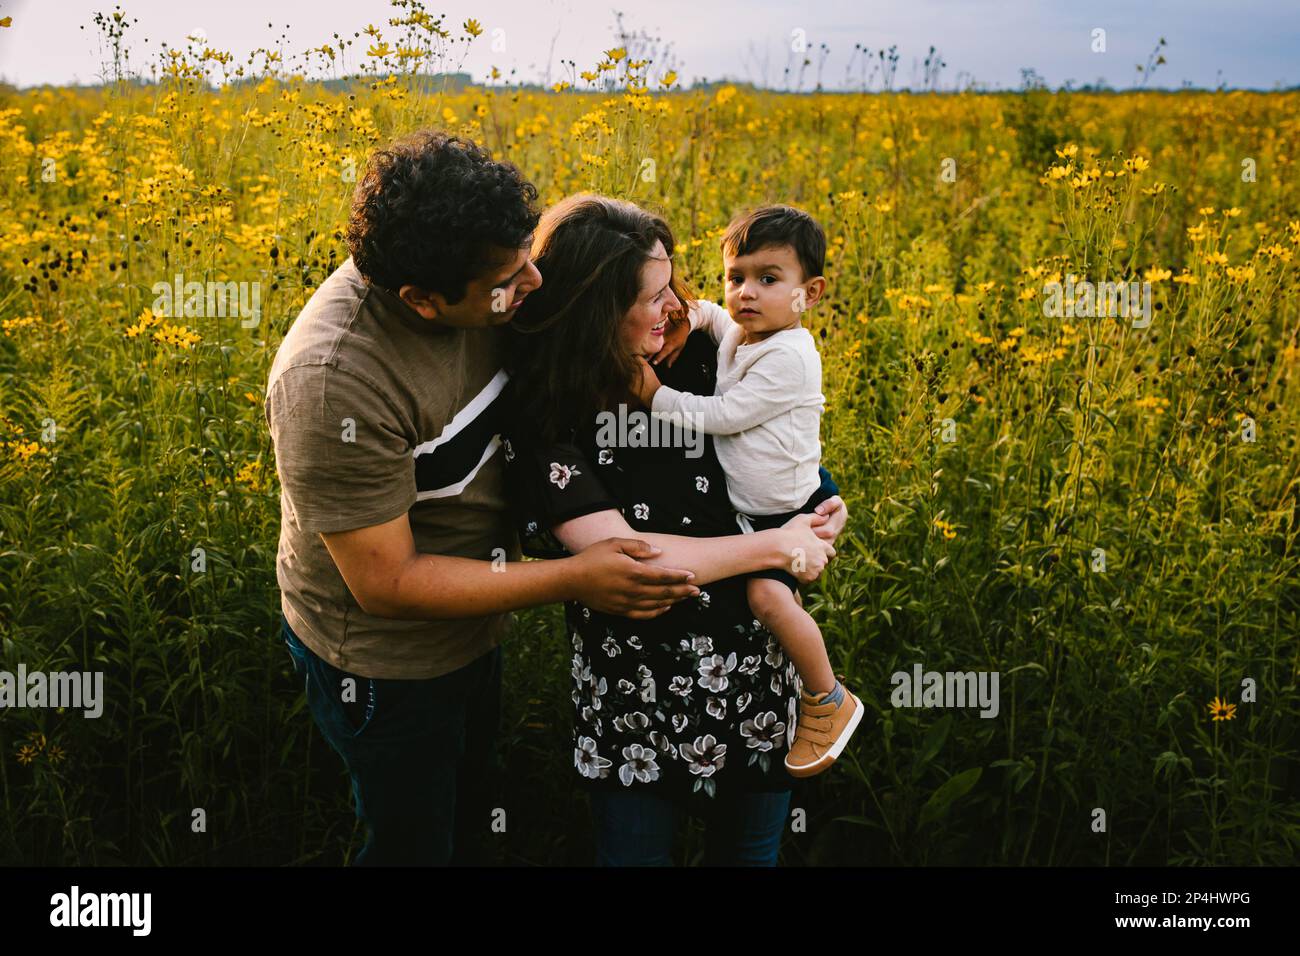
(429,210)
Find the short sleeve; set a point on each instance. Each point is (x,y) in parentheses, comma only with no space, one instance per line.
(341,455)
(548,484)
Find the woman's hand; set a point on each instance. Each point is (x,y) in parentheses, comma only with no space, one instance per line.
(805,552)
(837,516)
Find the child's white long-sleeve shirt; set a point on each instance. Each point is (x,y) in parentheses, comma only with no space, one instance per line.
(764,415)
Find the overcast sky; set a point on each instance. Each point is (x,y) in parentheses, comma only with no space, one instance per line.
(1241,43)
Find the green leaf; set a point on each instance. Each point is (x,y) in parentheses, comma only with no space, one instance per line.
(950,790)
(934,739)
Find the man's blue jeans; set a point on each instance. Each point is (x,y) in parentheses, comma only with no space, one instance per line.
(421,753)
(636,829)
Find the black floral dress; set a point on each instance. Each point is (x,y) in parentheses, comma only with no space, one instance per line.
(700,700)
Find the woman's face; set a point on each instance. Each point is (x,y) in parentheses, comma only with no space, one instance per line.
(644,323)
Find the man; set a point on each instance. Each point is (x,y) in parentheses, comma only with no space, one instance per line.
(397,561)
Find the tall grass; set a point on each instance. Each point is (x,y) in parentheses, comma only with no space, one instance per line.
(139,515)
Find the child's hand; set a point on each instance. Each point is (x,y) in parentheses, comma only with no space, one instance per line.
(649,383)
(675,336)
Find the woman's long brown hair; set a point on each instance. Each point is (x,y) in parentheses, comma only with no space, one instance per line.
(565,354)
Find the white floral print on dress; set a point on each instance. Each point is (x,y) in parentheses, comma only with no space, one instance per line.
(560,474)
(714,670)
(705,756)
(763,732)
(640,766)
(633,723)
(588,761)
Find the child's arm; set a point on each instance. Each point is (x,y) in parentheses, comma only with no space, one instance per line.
(702,314)
(773,385)
(711,317)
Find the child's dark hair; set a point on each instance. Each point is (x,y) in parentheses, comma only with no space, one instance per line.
(432,210)
(778,225)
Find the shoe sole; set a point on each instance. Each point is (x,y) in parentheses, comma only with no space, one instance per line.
(808,770)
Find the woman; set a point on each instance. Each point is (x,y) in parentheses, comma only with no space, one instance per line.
(692,709)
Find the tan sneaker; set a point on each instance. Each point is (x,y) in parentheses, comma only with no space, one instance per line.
(821,732)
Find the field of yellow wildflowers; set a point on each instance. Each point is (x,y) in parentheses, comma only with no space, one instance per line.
(1100,507)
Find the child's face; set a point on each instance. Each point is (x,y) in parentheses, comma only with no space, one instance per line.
(766,290)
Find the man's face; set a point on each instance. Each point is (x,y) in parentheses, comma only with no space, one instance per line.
(491,299)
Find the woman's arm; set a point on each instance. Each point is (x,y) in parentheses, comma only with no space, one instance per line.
(712,559)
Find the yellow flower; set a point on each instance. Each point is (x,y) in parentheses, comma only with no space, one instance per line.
(669,79)
(10,324)
(473,28)
(1156,274)
(617,53)
(177,335)
(887,143)
(1136,165)
(251,474)
(1221,709)
(26,754)
(26,450)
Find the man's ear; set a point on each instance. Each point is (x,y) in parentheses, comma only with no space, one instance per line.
(816,288)
(430,305)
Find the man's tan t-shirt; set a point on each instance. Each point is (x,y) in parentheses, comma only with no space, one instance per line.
(376,412)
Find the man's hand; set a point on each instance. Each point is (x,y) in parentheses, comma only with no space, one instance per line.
(649,383)
(675,336)
(615,582)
